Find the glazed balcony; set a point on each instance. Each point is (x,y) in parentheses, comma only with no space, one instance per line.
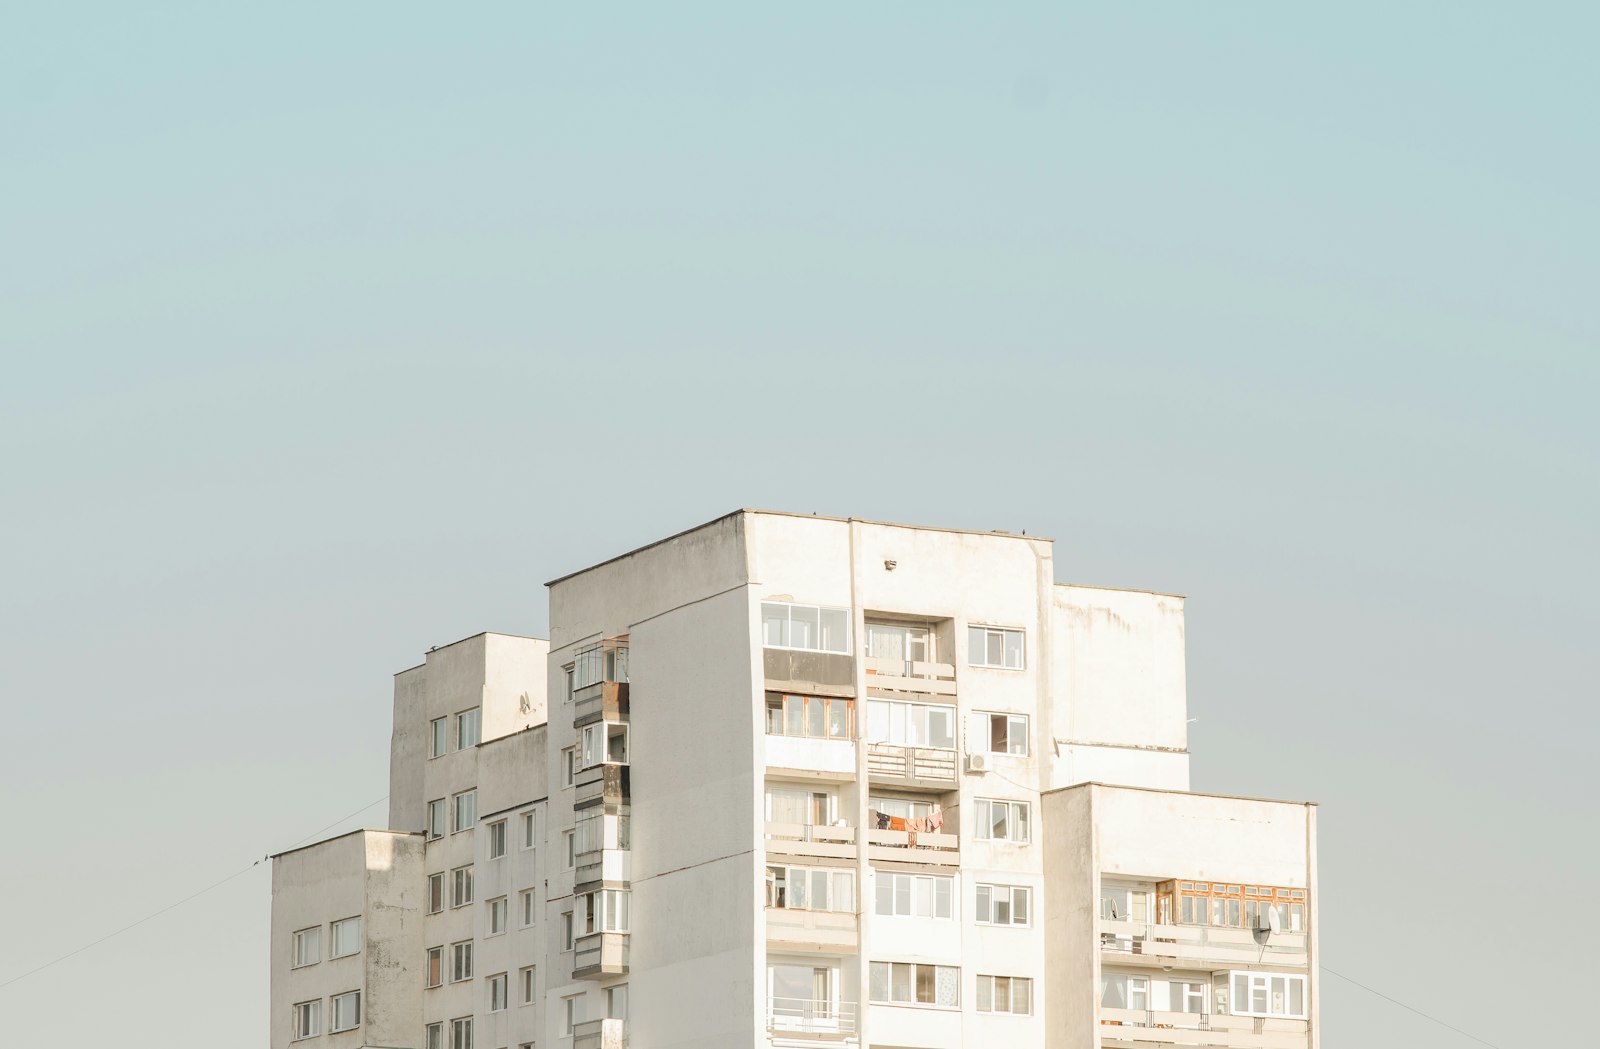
(1198,946)
(600,1034)
(600,954)
(1144,1028)
(601,701)
(601,784)
(603,867)
(911,768)
(802,841)
(809,1018)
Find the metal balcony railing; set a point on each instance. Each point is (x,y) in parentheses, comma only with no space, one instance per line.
(812,1016)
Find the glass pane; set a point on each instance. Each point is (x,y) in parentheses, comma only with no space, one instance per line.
(774,624)
(877,722)
(985,994)
(917,726)
(1021,830)
(980,812)
(794,708)
(949,991)
(941,728)
(1114,995)
(994,648)
(1022,996)
(1002,908)
(838,719)
(975,645)
(1019,907)
(984,913)
(774,715)
(885,642)
(844,893)
(835,630)
(925,993)
(997,734)
(902,894)
(819,891)
(884,894)
(923,903)
(791,981)
(815,713)
(900,982)
(1297,997)
(1013,646)
(1017,735)
(803,627)
(878,985)
(941,897)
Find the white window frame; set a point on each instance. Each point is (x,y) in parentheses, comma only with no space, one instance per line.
(461,886)
(569,849)
(1250,979)
(335,928)
(988,893)
(569,765)
(463,811)
(1011,721)
(569,930)
(498,915)
(429,977)
(604,910)
(831,880)
(438,737)
(499,993)
(789,608)
(915,889)
(891,721)
(912,1002)
(440,897)
(461,1033)
(983,823)
(991,983)
(333,1009)
(461,961)
(1135,990)
(299,956)
(978,655)
(528,984)
(474,718)
(1181,992)
(570,1010)
(438,816)
(529,900)
(497,835)
(612,995)
(595,744)
(307,1011)
(434,1036)
(530,829)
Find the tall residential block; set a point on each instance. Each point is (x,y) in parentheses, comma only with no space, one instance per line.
(787,780)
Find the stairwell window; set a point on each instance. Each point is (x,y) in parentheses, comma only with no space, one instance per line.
(913,895)
(808,628)
(1003,904)
(1001,820)
(909,983)
(991,646)
(346,1011)
(1005,994)
(814,717)
(530,825)
(525,980)
(811,888)
(308,1019)
(345,938)
(530,907)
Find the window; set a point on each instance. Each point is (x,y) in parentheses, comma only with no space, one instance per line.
(1122,902)
(1008,733)
(307,947)
(1267,994)
(571,1013)
(800,994)
(497,839)
(1234,906)
(1005,994)
(809,628)
(567,927)
(465,806)
(435,966)
(497,915)
(1001,820)
(914,895)
(604,911)
(1187,996)
(497,992)
(461,893)
(810,808)
(587,667)
(1003,904)
(435,1039)
(904,808)
(811,888)
(911,724)
(529,827)
(569,848)
(346,1011)
(530,907)
(461,1033)
(569,766)
(439,736)
(436,819)
(461,961)
(346,938)
(435,893)
(308,1019)
(569,672)
(467,726)
(815,717)
(617,1002)
(604,743)
(989,646)
(905,983)
(1121,991)
(902,644)
(525,980)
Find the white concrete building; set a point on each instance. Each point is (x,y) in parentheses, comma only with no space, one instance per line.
(806,781)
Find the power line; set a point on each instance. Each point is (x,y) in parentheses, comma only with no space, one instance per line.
(1408,1008)
(173,906)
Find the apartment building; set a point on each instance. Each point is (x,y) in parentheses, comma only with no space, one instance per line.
(804,781)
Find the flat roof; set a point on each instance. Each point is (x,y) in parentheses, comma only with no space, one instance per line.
(463,640)
(809,517)
(1127,590)
(346,834)
(1184,793)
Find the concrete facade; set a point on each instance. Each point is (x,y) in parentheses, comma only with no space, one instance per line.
(804,781)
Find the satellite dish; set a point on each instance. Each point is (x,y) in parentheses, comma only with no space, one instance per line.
(1269,921)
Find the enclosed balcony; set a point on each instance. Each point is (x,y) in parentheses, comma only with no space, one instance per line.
(600,682)
(600,954)
(603,857)
(811,908)
(600,1034)
(1202,924)
(601,785)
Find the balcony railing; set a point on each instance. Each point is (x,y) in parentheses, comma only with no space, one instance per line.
(1204,944)
(833,931)
(819,1019)
(799,839)
(890,763)
(1145,1027)
(910,675)
(599,1034)
(909,846)
(600,954)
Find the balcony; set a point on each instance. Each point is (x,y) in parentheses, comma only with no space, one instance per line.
(797,1018)
(833,759)
(809,842)
(603,867)
(913,768)
(601,701)
(600,954)
(793,929)
(1198,946)
(909,846)
(1143,1028)
(602,784)
(599,1034)
(897,678)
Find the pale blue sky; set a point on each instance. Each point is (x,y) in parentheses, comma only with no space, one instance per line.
(330,332)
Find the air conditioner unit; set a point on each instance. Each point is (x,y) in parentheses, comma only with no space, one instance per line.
(978,762)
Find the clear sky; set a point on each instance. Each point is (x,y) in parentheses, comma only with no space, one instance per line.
(332,331)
